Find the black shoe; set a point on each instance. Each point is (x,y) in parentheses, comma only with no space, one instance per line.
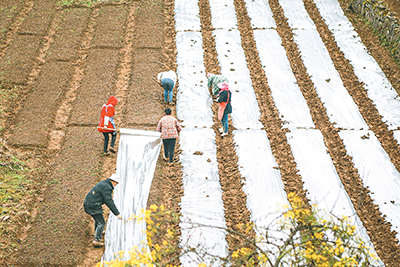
(97,244)
(112,150)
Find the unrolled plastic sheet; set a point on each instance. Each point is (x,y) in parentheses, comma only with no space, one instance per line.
(333,14)
(223,14)
(263,185)
(187,16)
(136,161)
(201,204)
(193,98)
(246,113)
(297,15)
(379,89)
(396,135)
(260,14)
(321,180)
(377,172)
(292,107)
(308,146)
(340,107)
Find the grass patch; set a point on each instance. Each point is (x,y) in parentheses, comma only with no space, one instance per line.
(9,95)
(16,192)
(13,184)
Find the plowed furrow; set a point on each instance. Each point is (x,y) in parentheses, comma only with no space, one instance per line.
(231,181)
(367,211)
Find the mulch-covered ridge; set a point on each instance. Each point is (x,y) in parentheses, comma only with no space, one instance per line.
(362,202)
(269,113)
(355,88)
(385,241)
(231,181)
(144,44)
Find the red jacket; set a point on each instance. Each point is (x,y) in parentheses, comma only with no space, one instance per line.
(109,111)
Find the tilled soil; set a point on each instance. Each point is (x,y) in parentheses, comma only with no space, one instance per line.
(68,61)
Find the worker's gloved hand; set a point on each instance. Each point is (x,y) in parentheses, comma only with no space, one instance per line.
(119,216)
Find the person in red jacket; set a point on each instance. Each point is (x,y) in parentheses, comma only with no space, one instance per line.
(107,124)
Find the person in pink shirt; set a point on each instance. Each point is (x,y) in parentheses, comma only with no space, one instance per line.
(169,128)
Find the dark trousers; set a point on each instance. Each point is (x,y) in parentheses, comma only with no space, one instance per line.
(106,138)
(169,147)
(99,224)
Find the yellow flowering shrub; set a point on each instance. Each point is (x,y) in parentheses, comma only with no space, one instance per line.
(305,239)
(316,241)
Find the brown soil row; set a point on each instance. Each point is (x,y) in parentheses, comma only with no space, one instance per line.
(142,102)
(93,255)
(362,202)
(384,240)
(60,220)
(114,49)
(8,20)
(18,57)
(11,19)
(234,199)
(269,113)
(167,186)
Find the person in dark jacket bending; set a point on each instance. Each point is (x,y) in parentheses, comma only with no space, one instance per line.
(101,194)
(225,107)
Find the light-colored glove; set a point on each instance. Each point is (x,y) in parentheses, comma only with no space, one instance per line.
(106,119)
(119,216)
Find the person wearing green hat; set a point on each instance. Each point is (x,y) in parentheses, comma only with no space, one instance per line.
(213,80)
(101,194)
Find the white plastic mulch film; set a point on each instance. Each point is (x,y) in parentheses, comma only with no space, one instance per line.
(348,117)
(263,184)
(136,161)
(367,70)
(201,206)
(262,181)
(202,210)
(374,165)
(341,110)
(251,143)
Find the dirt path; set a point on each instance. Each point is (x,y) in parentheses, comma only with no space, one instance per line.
(67,61)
